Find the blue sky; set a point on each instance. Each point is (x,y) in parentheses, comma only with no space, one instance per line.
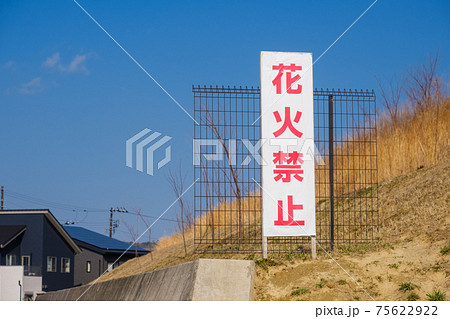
(70,97)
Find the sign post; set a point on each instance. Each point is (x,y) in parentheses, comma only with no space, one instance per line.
(287,133)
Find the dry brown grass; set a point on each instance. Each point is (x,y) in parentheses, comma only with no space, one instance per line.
(417,136)
(415,139)
(224,213)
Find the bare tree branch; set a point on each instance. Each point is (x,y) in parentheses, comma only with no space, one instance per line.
(184,220)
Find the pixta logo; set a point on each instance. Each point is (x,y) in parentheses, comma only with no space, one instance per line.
(227,150)
(144,145)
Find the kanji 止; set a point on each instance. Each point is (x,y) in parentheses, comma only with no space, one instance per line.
(287,165)
(287,122)
(289,79)
(291,207)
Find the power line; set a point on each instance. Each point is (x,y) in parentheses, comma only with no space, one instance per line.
(72,208)
(44,202)
(68,207)
(148,216)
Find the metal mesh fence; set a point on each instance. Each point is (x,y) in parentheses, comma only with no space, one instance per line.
(227,201)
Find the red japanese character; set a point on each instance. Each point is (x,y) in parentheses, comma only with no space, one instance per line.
(291,207)
(287,122)
(284,173)
(289,79)
(295,158)
(293,167)
(280,157)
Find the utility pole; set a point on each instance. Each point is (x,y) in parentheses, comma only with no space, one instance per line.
(114,224)
(110,221)
(2,200)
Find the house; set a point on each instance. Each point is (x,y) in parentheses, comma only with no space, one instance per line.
(35,240)
(98,253)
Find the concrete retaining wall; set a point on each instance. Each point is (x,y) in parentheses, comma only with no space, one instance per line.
(201,279)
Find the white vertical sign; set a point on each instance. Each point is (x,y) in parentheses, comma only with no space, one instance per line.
(287,132)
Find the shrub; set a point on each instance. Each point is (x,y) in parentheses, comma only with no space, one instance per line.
(292,254)
(304,291)
(322,283)
(436,295)
(298,292)
(407,286)
(264,263)
(394,266)
(413,297)
(445,250)
(295,292)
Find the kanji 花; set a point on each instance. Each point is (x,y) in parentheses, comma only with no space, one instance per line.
(289,79)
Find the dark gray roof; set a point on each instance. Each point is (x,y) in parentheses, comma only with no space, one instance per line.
(103,242)
(10,232)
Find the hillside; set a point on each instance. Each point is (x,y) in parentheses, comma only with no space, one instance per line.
(414,227)
(413,160)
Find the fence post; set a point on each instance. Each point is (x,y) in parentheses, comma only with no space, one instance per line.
(313,247)
(264,246)
(331,166)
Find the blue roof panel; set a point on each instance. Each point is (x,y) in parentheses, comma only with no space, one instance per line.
(99,240)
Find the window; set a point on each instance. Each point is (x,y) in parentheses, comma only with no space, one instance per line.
(65,265)
(51,264)
(26,261)
(11,260)
(111,266)
(88,266)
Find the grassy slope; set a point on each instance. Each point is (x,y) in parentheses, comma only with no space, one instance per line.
(413,209)
(414,227)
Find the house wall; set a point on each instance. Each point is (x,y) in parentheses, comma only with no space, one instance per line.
(31,241)
(98,266)
(111,258)
(9,283)
(99,262)
(56,246)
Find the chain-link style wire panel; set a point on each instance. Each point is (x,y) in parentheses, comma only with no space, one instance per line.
(227,163)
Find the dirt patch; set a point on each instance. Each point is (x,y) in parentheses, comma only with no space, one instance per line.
(377,273)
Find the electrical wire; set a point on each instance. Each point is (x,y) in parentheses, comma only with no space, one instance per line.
(72,208)
(68,207)
(44,202)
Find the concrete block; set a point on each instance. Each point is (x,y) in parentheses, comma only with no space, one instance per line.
(224,279)
(201,279)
